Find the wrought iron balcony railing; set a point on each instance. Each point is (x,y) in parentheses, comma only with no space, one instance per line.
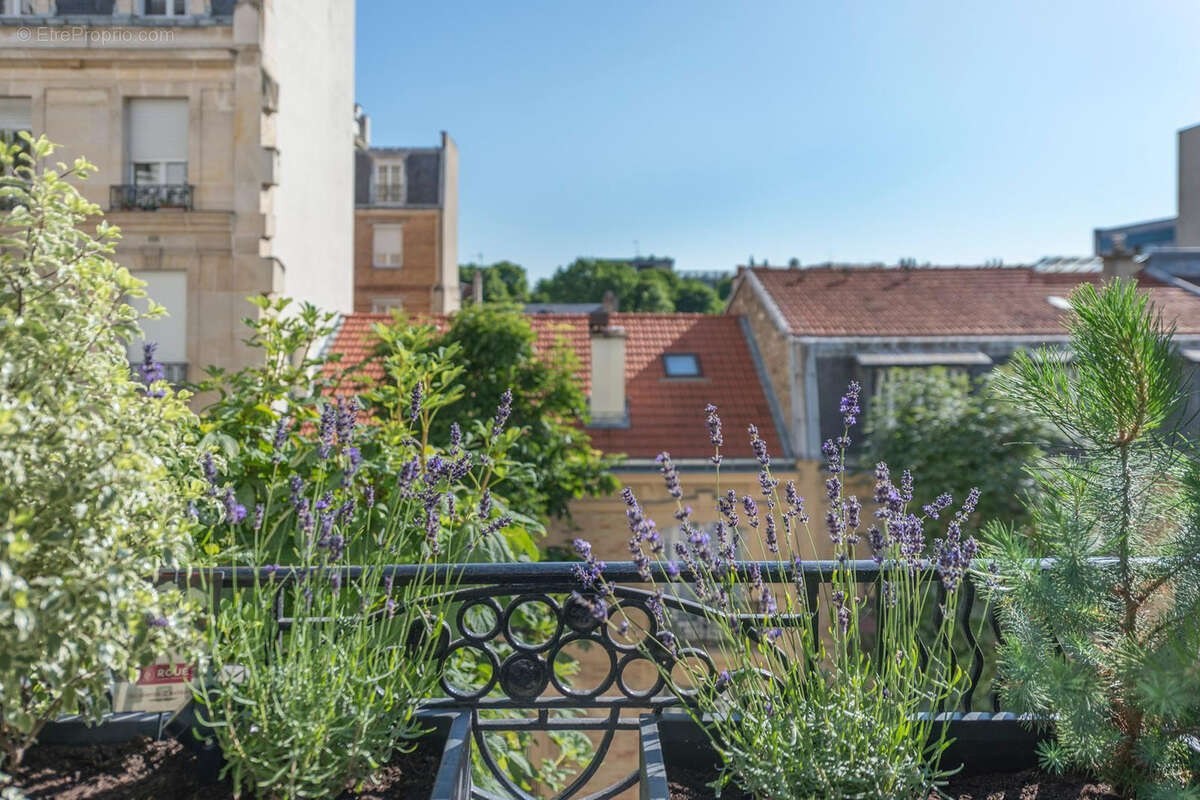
(523,691)
(150,197)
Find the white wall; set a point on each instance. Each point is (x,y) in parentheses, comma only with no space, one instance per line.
(312,47)
(1187,230)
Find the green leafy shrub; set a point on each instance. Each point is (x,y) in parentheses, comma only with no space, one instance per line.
(1103,640)
(362,654)
(797,712)
(955,433)
(94,495)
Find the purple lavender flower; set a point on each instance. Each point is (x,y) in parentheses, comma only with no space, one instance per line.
(152,371)
(672,569)
(414,406)
(337,546)
(849,406)
(670,476)
(485,504)
(347,420)
(843,609)
(759,447)
(335,581)
(714,431)
(751,509)
(235,512)
(772,537)
(280,438)
(940,504)
(160,622)
(328,428)
(455,437)
(210,473)
(258,517)
(325,502)
(369,495)
(503,411)
(588,573)
(354,459)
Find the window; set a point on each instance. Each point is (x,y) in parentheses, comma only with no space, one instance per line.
(16,8)
(157,140)
(388,249)
(169,289)
(681,365)
(389,183)
(15,116)
(165,8)
(382,305)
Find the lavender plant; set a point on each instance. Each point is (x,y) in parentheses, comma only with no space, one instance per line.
(93,499)
(314,708)
(796,711)
(1101,636)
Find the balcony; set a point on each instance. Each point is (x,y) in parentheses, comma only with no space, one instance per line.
(150,197)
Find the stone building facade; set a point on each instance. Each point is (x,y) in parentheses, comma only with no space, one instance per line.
(225,157)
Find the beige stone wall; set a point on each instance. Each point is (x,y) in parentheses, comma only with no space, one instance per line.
(420,273)
(601,520)
(773,347)
(79,90)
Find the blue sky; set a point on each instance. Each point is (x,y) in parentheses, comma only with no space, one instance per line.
(950,132)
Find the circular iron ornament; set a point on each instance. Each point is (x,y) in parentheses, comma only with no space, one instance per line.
(701,656)
(524,676)
(516,641)
(418,633)
(609,676)
(634,694)
(469,633)
(577,614)
(615,614)
(458,693)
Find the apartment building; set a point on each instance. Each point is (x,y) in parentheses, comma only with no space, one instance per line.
(225,157)
(406,227)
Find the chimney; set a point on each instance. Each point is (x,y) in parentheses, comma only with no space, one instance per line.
(1120,262)
(477,287)
(610,302)
(607,403)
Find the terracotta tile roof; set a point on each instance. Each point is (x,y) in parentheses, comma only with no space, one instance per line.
(664,413)
(932,301)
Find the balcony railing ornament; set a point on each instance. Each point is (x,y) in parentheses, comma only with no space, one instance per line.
(521,677)
(150,197)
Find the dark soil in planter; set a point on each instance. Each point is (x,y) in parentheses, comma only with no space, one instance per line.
(688,784)
(1027,785)
(691,784)
(144,769)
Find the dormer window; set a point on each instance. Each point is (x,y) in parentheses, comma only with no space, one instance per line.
(389,182)
(681,365)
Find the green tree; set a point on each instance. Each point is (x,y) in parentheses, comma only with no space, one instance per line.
(585,280)
(1102,638)
(503,282)
(95,490)
(696,296)
(954,433)
(496,350)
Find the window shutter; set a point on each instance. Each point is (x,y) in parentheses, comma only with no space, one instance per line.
(388,245)
(158,129)
(16,114)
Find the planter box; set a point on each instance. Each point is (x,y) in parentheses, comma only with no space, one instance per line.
(983,742)
(451,731)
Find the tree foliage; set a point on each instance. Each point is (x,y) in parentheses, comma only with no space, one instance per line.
(495,348)
(586,280)
(96,465)
(503,281)
(955,433)
(1103,637)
